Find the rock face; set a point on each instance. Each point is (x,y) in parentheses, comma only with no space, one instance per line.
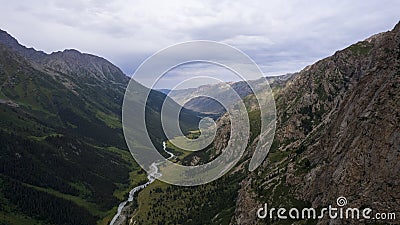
(338,134)
(85,65)
(361,143)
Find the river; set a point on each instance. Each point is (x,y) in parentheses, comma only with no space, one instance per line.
(152,176)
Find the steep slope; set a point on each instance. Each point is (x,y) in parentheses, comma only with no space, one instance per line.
(61,136)
(12,44)
(54,150)
(337,135)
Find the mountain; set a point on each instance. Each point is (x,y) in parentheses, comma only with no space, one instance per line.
(12,44)
(338,126)
(337,134)
(196,98)
(68,62)
(63,155)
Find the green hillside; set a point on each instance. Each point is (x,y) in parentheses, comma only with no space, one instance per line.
(63,156)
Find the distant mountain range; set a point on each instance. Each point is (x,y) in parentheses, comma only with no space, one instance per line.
(196,98)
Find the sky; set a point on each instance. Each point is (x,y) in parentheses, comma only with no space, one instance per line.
(280,36)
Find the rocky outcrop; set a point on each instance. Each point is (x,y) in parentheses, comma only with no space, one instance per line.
(361,142)
(337,134)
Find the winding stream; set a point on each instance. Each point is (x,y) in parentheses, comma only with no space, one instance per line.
(152,176)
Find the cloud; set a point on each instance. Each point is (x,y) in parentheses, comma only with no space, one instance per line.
(204,73)
(281,36)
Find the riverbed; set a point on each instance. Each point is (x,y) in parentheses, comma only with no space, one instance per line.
(152,176)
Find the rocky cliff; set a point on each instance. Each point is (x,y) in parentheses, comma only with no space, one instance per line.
(338,134)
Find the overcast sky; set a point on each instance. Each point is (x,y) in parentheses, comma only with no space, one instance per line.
(281,36)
